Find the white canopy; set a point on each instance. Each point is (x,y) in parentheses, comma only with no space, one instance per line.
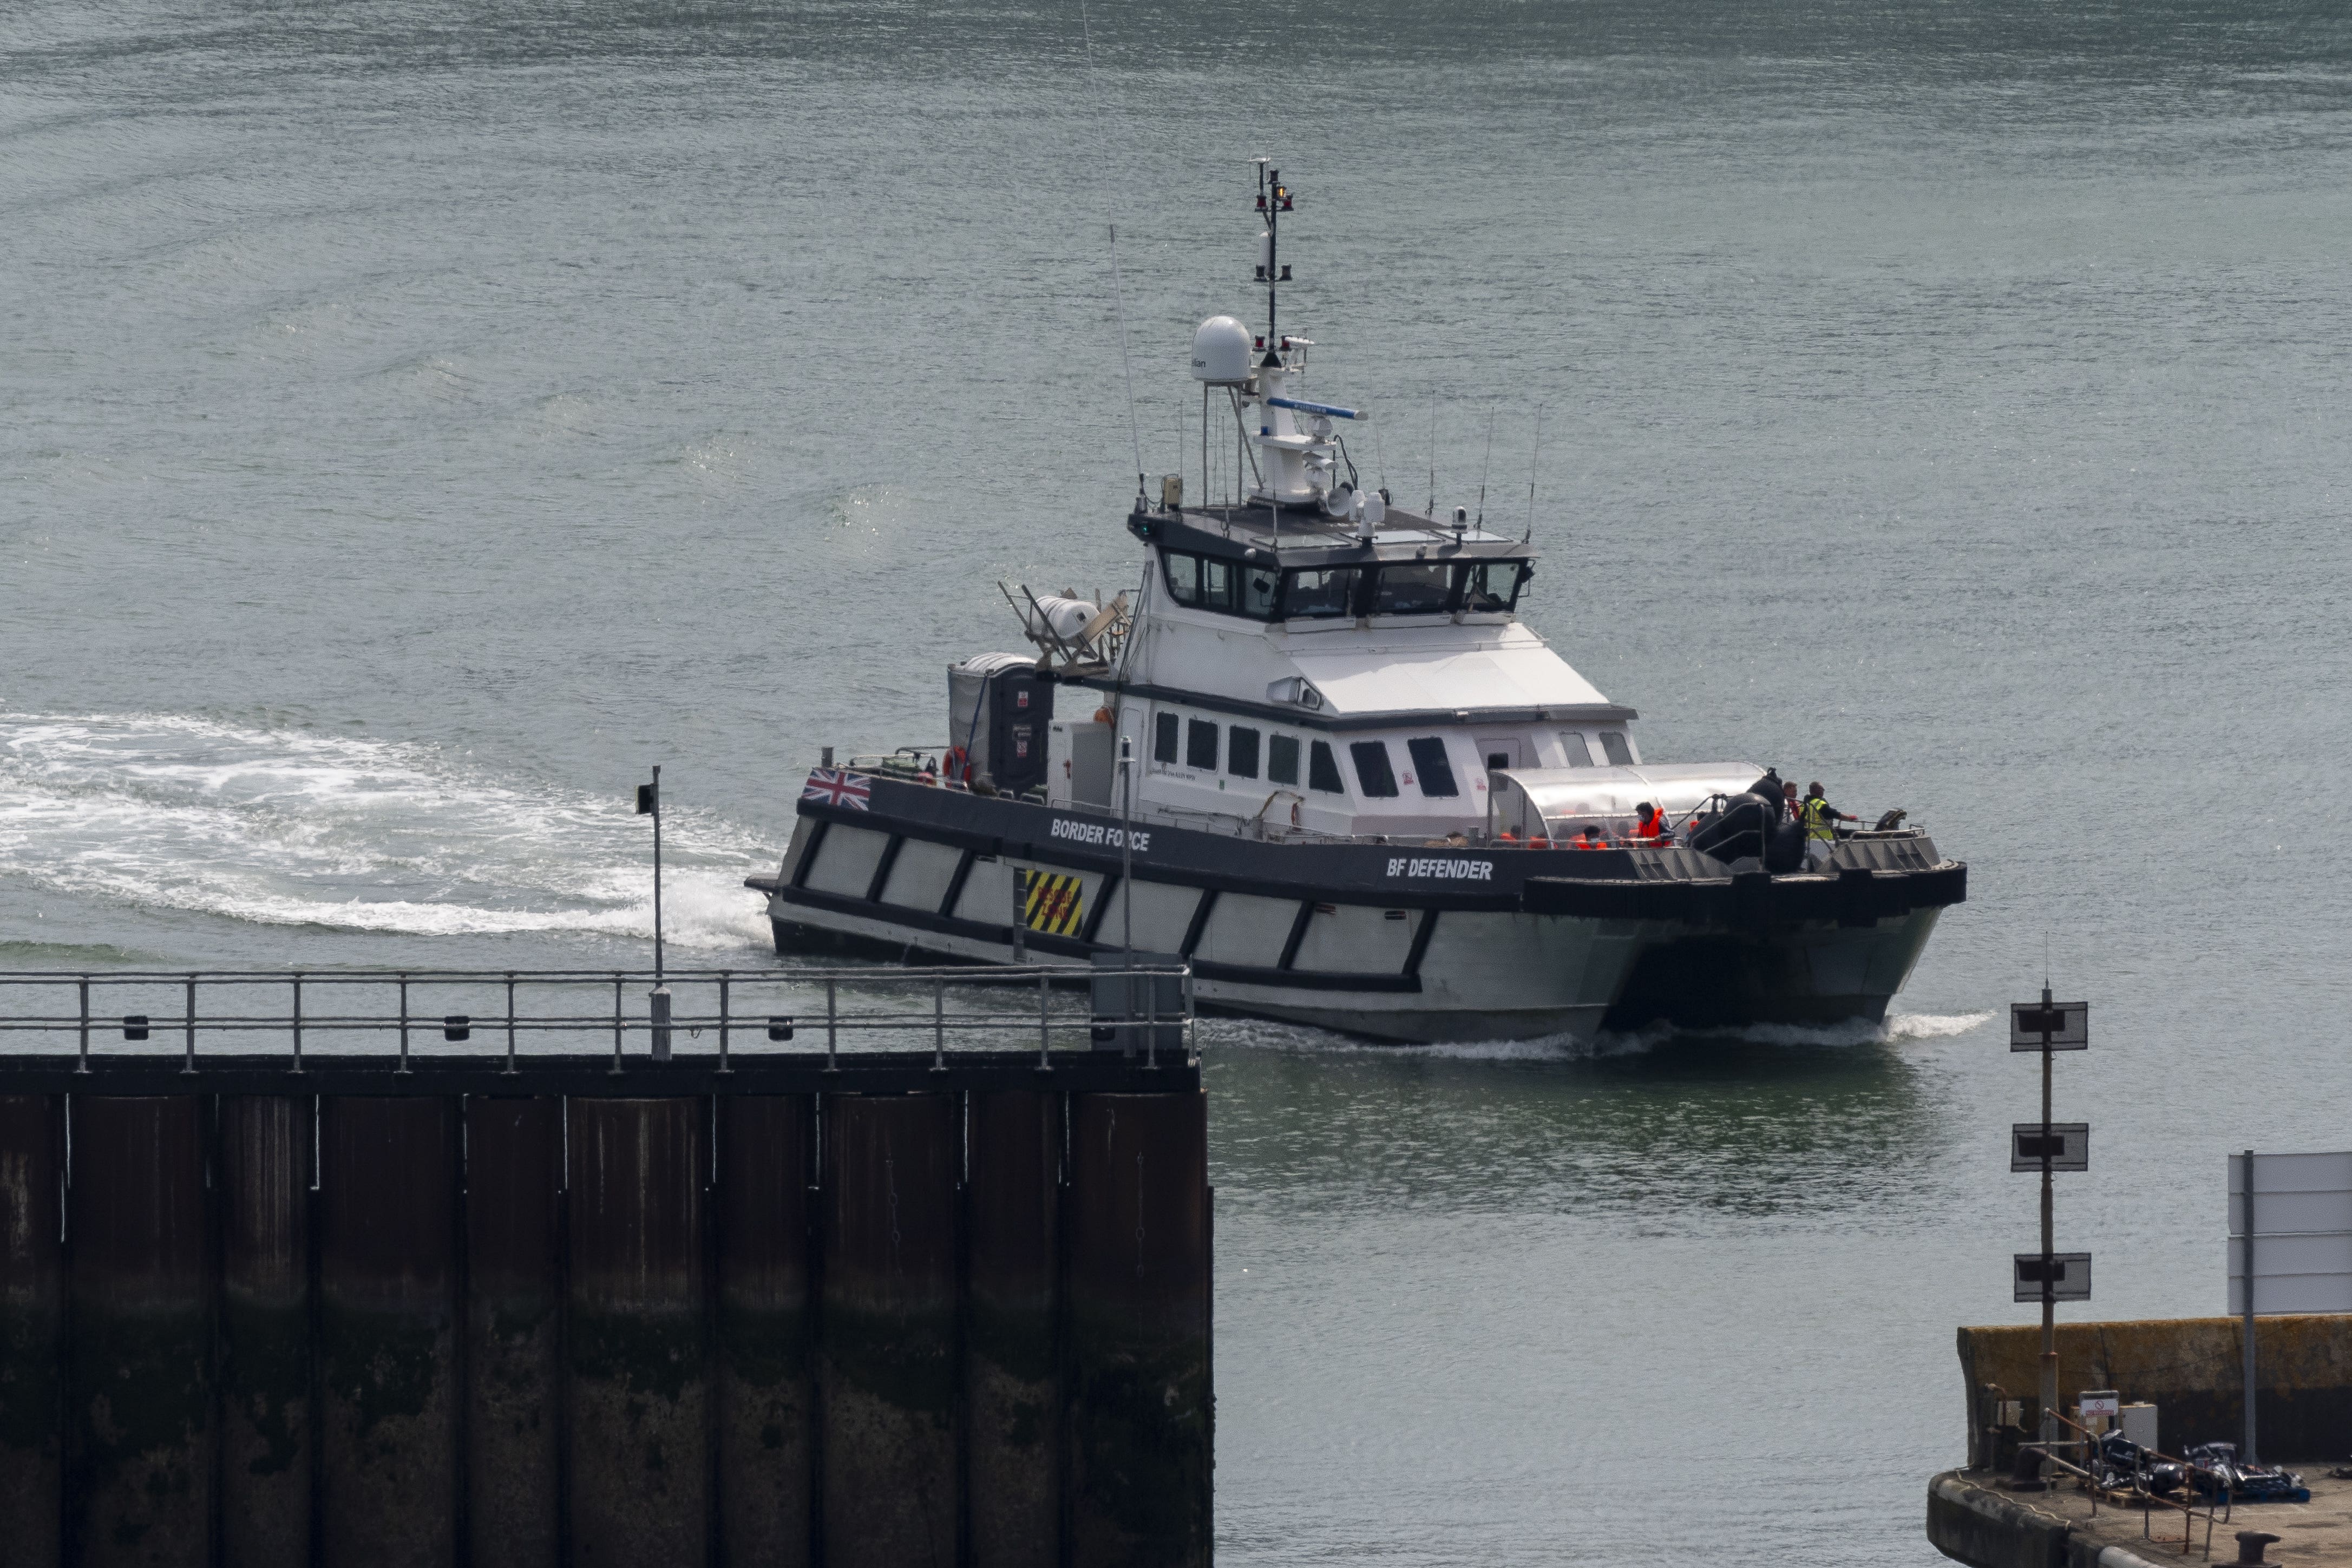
(1559,801)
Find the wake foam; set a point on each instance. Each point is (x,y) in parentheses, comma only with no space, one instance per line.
(1260,1035)
(293,827)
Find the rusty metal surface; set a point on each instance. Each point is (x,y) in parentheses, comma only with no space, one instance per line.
(32,1316)
(514,1177)
(387,1287)
(888,1362)
(639,1472)
(1136,1365)
(1011,1394)
(766,1391)
(139,1425)
(265,1330)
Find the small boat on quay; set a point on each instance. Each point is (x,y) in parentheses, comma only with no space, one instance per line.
(1317,754)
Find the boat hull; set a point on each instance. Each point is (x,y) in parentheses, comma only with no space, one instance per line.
(1406,943)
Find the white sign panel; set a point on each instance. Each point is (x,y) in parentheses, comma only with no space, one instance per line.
(2303,1233)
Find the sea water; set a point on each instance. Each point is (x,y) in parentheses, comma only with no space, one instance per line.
(422,416)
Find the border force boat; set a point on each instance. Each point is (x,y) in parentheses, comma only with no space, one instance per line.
(1320,757)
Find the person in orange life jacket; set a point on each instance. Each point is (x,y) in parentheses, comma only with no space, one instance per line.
(1650,828)
(1536,840)
(1821,832)
(1591,839)
(1791,811)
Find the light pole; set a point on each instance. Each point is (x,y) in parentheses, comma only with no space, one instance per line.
(649,805)
(2049,1275)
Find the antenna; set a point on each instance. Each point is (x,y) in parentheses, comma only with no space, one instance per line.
(1533,458)
(1487,468)
(1134,426)
(1089,27)
(1432,452)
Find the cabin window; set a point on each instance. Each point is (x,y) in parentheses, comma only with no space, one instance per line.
(1163,737)
(1430,767)
(1200,745)
(1282,759)
(1488,586)
(1319,593)
(1415,587)
(1579,754)
(1323,771)
(1613,746)
(1231,587)
(1183,579)
(1373,774)
(1497,760)
(1216,583)
(1241,752)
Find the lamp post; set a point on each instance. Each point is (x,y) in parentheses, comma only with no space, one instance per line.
(657,1000)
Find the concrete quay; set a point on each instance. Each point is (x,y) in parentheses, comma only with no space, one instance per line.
(1972,1518)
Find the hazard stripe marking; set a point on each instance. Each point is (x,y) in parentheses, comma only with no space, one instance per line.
(1052,903)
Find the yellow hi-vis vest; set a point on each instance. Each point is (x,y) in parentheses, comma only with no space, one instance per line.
(1816,819)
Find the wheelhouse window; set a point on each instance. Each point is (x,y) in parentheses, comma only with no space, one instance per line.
(1200,745)
(1323,771)
(1431,771)
(1163,737)
(1613,746)
(1241,751)
(1319,592)
(1282,759)
(1413,588)
(1373,774)
(1230,587)
(1579,754)
(1489,586)
(1183,577)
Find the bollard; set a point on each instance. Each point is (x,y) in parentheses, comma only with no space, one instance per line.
(2250,1548)
(388,1192)
(1012,1392)
(139,1427)
(1135,1379)
(513,1328)
(888,1331)
(31,1318)
(265,1330)
(639,1478)
(765,1385)
(658,1013)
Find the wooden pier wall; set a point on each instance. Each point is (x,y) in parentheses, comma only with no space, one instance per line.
(665,1318)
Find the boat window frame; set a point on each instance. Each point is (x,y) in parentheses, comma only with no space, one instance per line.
(1429,756)
(1228,597)
(1164,728)
(1573,749)
(1355,576)
(1379,784)
(1452,576)
(1276,746)
(1518,585)
(1233,749)
(1625,744)
(1194,730)
(1322,764)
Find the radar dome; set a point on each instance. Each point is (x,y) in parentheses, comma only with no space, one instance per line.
(1220,351)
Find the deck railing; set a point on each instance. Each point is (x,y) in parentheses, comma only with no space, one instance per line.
(716,1011)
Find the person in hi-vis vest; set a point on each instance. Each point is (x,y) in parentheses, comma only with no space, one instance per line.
(1821,834)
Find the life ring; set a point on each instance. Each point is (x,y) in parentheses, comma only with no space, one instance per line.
(957,768)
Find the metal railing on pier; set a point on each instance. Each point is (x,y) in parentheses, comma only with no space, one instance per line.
(2090,1475)
(722,1011)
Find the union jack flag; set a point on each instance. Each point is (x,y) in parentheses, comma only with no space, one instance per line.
(839,788)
